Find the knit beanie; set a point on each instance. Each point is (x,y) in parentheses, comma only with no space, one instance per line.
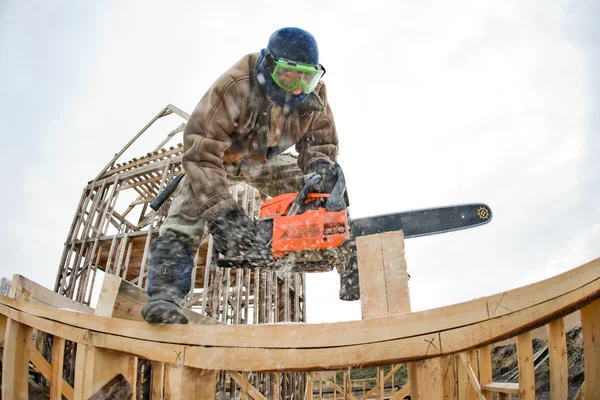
(294,44)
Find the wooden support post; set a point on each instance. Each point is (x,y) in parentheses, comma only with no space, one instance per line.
(449,373)
(383,276)
(590,324)
(384,291)
(15,361)
(189,383)
(381,384)
(95,367)
(559,365)
(426,379)
(277,386)
(526,371)
(309,386)
(58,356)
(158,379)
(485,368)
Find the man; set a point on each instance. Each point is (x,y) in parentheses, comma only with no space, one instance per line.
(264,104)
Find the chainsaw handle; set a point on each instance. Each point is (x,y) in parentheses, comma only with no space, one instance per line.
(302,195)
(335,201)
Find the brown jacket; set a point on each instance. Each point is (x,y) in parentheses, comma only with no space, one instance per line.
(225,128)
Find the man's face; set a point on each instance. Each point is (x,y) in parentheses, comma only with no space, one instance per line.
(289,78)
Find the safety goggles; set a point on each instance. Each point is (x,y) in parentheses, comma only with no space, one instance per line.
(289,75)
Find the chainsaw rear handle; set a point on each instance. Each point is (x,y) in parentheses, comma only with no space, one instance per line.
(335,201)
(167,191)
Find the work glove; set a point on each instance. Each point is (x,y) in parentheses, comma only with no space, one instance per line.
(235,234)
(328,176)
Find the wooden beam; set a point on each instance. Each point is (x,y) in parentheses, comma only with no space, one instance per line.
(526,371)
(402,393)
(277,347)
(165,111)
(426,379)
(189,383)
(158,378)
(471,375)
(15,360)
(242,380)
(590,324)
(121,299)
(559,364)
(58,358)
(501,387)
(485,368)
(38,360)
(335,387)
(29,291)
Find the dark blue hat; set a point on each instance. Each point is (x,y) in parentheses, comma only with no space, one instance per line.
(294,44)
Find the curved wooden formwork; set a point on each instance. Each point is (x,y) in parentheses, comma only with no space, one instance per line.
(448,349)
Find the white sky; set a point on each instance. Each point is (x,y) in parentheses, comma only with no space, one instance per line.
(436,103)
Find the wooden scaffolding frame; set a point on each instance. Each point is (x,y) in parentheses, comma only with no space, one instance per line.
(115,238)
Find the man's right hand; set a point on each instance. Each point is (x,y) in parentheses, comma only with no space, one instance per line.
(235,234)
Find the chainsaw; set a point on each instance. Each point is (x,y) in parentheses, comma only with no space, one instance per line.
(313,232)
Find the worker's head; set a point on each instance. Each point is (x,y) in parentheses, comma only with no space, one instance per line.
(288,68)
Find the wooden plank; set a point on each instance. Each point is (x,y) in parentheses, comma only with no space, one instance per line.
(101,366)
(309,386)
(526,371)
(426,379)
(395,272)
(162,113)
(381,384)
(450,377)
(38,360)
(58,358)
(242,380)
(336,388)
(29,291)
(277,386)
(373,299)
(501,387)
(121,299)
(590,324)
(559,364)
(402,393)
(158,377)
(471,375)
(15,360)
(485,368)
(189,383)
(3,321)
(402,348)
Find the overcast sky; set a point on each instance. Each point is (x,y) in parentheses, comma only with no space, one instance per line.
(436,103)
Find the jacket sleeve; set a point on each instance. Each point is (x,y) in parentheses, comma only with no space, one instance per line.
(320,143)
(206,137)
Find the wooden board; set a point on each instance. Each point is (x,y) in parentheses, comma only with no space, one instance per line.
(559,364)
(27,290)
(590,323)
(121,299)
(382,275)
(15,359)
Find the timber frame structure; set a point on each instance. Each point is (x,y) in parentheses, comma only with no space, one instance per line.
(248,337)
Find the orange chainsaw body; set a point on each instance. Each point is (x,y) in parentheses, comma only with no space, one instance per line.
(311,230)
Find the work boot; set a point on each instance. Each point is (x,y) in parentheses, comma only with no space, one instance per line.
(169,280)
(349,288)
